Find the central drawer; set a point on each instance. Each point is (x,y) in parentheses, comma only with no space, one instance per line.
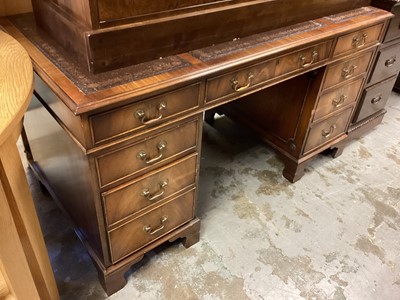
(139,232)
(146,154)
(130,198)
(252,77)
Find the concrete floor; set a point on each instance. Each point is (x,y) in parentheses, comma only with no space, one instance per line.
(335,234)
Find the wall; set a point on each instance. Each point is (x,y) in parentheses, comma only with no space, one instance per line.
(11,7)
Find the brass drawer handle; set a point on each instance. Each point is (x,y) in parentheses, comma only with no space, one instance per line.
(302,59)
(390,62)
(161,147)
(235,84)
(141,115)
(359,41)
(327,133)
(150,231)
(339,102)
(376,99)
(151,197)
(347,73)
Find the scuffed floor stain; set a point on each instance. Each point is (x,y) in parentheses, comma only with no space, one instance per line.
(363,153)
(383,211)
(297,269)
(366,246)
(272,183)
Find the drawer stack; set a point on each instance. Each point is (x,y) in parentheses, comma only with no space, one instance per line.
(318,104)
(148,186)
(382,77)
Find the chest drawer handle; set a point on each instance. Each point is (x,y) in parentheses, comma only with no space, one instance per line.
(339,102)
(141,115)
(302,59)
(347,73)
(390,62)
(151,231)
(235,84)
(327,133)
(376,99)
(151,197)
(359,41)
(161,147)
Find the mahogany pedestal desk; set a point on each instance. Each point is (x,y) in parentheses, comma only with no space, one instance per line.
(120,150)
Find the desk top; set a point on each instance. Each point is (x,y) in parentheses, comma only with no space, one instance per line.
(83,92)
(16,77)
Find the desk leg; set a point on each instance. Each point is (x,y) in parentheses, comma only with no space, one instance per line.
(293,170)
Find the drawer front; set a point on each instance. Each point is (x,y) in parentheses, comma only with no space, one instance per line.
(358,40)
(245,79)
(143,230)
(347,70)
(387,64)
(130,198)
(145,155)
(394,25)
(337,99)
(325,131)
(235,82)
(143,114)
(303,59)
(374,98)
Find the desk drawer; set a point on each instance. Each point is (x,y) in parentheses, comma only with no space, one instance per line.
(303,59)
(337,99)
(347,70)
(325,131)
(387,64)
(246,79)
(358,40)
(143,230)
(374,98)
(130,198)
(241,80)
(158,150)
(143,114)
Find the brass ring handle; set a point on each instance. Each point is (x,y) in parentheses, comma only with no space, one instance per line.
(339,102)
(359,41)
(302,59)
(235,84)
(150,231)
(162,146)
(327,133)
(347,73)
(375,100)
(151,197)
(141,115)
(390,62)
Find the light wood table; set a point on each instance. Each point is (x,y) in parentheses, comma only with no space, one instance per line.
(25,271)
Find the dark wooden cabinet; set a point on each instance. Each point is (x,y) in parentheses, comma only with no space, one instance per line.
(102,33)
(382,78)
(120,150)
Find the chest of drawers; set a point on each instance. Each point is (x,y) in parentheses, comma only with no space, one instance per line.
(125,163)
(382,78)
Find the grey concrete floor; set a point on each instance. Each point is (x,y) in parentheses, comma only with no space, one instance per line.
(335,234)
